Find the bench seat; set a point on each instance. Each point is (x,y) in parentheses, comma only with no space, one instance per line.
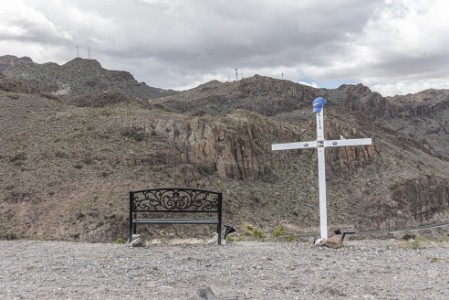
(174,221)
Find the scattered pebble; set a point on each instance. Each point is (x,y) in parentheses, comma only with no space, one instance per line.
(362,269)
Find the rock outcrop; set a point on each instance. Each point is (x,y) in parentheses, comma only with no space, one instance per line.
(232,146)
(421,200)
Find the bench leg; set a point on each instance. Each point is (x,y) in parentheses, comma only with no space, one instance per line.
(132,230)
(219,233)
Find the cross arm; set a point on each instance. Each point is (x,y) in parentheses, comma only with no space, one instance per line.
(347,143)
(291,146)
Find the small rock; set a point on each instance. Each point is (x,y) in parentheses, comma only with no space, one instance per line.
(206,293)
(319,242)
(136,241)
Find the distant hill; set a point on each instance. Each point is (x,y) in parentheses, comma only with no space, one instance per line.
(80,82)
(66,170)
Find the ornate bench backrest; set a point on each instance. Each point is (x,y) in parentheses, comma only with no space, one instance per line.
(175,200)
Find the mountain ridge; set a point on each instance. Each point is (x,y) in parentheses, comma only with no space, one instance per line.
(77,78)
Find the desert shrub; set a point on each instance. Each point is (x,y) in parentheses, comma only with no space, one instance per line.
(138,134)
(4,88)
(234,239)
(204,170)
(258,234)
(290,237)
(88,161)
(21,156)
(254,232)
(8,236)
(280,231)
(417,243)
(61,154)
(120,240)
(18,159)
(268,175)
(435,259)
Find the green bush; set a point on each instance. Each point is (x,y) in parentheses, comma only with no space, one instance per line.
(120,240)
(290,237)
(280,231)
(252,231)
(258,234)
(417,243)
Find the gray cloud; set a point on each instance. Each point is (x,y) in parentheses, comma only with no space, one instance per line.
(178,44)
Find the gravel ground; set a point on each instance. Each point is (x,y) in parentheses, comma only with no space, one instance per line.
(363,269)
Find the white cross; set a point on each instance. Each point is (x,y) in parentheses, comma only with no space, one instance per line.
(320,144)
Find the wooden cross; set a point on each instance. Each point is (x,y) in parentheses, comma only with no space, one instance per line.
(320,144)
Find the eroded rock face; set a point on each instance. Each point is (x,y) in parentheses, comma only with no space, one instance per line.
(413,202)
(229,151)
(231,146)
(422,200)
(347,159)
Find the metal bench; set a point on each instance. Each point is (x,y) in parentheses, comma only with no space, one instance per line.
(175,206)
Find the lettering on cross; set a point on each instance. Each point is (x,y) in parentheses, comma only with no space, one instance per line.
(320,144)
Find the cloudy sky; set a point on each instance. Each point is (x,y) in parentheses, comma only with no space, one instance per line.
(392,46)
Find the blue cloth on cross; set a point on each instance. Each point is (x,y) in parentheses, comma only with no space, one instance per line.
(318,104)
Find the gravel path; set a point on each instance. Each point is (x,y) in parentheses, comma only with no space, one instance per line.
(364,269)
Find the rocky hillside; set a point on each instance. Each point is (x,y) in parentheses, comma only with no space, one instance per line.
(67,169)
(421,117)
